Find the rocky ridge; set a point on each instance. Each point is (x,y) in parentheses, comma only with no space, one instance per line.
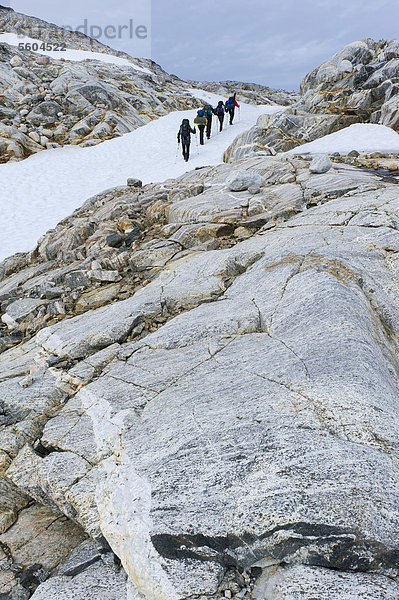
(359,84)
(187,390)
(29,26)
(252,93)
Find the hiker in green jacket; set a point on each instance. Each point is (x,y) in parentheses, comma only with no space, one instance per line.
(201,121)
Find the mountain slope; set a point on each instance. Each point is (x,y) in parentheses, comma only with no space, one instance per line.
(358,85)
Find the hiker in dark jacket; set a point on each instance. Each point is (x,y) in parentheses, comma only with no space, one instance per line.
(219,112)
(208,112)
(184,136)
(230,107)
(201,122)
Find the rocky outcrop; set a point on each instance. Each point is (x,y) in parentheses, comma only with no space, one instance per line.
(217,397)
(358,85)
(84,103)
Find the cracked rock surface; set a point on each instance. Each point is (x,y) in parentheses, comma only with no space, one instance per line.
(219,416)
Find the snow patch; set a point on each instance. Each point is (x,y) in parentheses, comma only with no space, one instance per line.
(362,137)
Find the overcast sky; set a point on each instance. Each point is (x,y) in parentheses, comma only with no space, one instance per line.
(272,42)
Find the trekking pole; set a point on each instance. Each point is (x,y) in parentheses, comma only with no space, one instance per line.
(196,142)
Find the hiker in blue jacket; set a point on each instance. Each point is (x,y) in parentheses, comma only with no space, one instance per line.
(184,136)
(230,107)
(208,112)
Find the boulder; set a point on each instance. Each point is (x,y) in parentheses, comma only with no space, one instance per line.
(42,60)
(35,545)
(156,254)
(34,136)
(114,240)
(242,180)
(133,182)
(16,61)
(21,310)
(320,164)
(46,113)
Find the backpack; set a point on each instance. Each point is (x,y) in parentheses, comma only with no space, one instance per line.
(185,129)
(208,110)
(230,103)
(200,113)
(219,109)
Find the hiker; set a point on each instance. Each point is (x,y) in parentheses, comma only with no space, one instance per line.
(201,122)
(219,112)
(230,107)
(208,112)
(184,135)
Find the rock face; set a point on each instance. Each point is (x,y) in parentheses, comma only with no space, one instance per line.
(221,414)
(359,84)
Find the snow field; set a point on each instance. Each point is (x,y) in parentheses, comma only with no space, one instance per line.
(40,191)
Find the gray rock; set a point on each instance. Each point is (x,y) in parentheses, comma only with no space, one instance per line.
(34,136)
(22,309)
(114,240)
(42,60)
(242,180)
(156,254)
(44,114)
(16,61)
(357,85)
(184,423)
(306,582)
(49,478)
(97,581)
(104,275)
(77,279)
(35,545)
(132,182)
(132,236)
(320,164)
